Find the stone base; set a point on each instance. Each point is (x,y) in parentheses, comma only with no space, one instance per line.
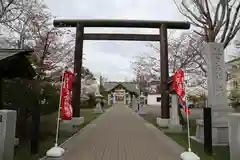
(76,121)
(71,125)
(189,156)
(175,128)
(163,122)
(52,158)
(98,111)
(55,152)
(219,132)
(234,132)
(141,111)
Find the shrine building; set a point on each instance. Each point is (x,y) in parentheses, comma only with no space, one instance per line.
(121,92)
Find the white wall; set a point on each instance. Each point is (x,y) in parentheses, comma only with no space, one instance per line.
(152,99)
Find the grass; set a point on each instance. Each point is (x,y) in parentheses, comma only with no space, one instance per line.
(47,139)
(219,153)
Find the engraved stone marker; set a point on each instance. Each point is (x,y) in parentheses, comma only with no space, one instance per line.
(217,92)
(217,95)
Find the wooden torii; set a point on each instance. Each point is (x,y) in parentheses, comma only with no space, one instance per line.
(80,24)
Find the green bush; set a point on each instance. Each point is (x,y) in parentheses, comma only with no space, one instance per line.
(23,96)
(19,94)
(51,96)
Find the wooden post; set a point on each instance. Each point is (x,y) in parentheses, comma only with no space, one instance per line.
(78,55)
(164,73)
(207,120)
(35,128)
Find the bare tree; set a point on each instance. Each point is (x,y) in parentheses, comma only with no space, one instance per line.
(21,30)
(34,29)
(184,52)
(216,21)
(10,10)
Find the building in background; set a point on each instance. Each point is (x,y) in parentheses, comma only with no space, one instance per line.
(154,95)
(233,49)
(123,91)
(233,79)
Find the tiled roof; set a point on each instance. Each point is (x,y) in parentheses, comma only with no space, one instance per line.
(5,53)
(156,82)
(14,63)
(131,86)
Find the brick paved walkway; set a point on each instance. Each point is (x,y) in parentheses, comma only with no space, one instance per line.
(120,134)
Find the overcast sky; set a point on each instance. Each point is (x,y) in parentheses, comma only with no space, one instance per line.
(111,58)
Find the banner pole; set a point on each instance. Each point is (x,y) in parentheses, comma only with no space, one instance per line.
(188,130)
(59,110)
(188,122)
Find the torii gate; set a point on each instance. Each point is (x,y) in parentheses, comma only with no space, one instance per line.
(80,37)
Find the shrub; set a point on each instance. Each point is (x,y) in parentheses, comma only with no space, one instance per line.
(23,96)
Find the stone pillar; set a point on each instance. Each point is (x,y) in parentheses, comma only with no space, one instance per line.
(7,134)
(217,95)
(109,98)
(217,91)
(114,98)
(174,116)
(234,132)
(134,103)
(141,104)
(125,99)
(129,99)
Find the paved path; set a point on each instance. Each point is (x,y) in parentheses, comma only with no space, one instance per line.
(121,134)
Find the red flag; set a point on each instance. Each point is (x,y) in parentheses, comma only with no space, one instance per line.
(178,84)
(66,96)
(68,77)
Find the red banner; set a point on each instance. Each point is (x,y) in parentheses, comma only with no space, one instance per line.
(178,83)
(66,96)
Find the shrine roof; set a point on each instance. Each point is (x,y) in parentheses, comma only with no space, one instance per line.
(157,82)
(7,53)
(14,63)
(130,86)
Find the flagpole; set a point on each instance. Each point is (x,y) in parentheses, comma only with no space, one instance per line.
(59,111)
(188,154)
(56,151)
(188,123)
(188,130)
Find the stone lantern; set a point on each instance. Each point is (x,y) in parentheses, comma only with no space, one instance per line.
(142,99)
(141,104)
(83,98)
(99,99)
